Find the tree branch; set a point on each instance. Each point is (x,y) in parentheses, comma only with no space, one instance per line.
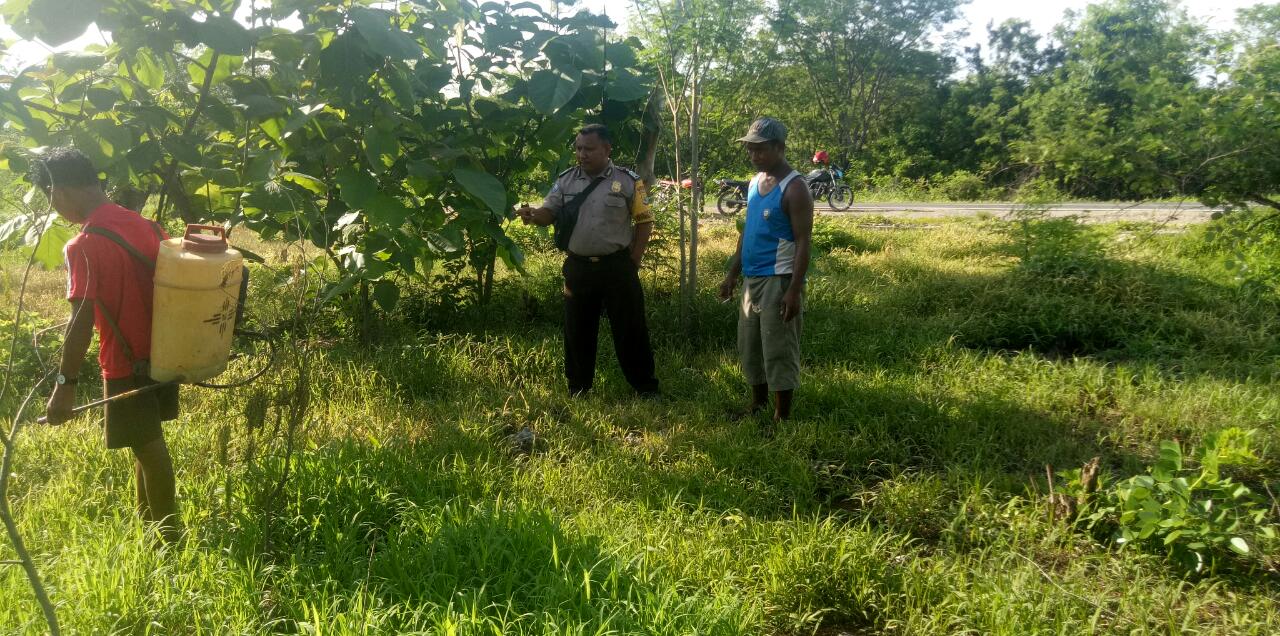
(1264,200)
(6,462)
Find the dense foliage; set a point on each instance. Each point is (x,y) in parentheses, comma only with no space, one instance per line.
(394,138)
(1128,99)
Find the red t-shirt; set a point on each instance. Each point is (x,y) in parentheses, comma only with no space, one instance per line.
(102,271)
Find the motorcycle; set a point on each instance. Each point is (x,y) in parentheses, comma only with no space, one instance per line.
(732,196)
(827,182)
(823,183)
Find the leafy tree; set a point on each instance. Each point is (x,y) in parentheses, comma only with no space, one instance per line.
(687,41)
(859,57)
(981,114)
(1102,126)
(1238,147)
(395,138)
(1147,104)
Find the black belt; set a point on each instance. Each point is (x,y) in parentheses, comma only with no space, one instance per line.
(597,259)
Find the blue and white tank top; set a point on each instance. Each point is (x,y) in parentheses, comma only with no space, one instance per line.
(768,245)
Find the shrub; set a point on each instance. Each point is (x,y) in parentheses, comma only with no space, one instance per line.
(1198,516)
(960,185)
(1037,191)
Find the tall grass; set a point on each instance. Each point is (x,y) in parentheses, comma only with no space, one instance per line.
(944,367)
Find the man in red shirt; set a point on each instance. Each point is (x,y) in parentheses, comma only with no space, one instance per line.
(110,266)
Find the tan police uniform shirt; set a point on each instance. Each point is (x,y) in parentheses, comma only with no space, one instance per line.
(606,217)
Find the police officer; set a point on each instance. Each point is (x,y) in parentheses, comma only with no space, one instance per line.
(602,222)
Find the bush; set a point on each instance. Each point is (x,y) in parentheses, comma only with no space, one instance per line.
(1037,191)
(1198,516)
(1248,246)
(893,188)
(830,235)
(960,185)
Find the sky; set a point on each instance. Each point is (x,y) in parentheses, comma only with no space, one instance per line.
(1042,14)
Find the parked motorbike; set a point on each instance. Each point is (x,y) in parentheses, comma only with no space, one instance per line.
(828,183)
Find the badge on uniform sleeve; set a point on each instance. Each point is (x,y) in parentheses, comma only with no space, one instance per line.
(617,186)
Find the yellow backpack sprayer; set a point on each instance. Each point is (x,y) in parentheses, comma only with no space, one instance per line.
(200,283)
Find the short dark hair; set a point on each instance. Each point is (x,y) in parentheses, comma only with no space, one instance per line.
(599,130)
(64,167)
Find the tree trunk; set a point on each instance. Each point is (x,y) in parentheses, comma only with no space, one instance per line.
(651,130)
(486,289)
(695,202)
(684,263)
(366,314)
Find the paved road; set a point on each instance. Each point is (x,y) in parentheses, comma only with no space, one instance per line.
(1091,212)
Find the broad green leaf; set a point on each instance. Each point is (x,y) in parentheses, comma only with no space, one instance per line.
(145,156)
(375,27)
(314,185)
(386,294)
(48,252)
(484,187)
(260,107)
(401,89)
(182,150)
(225,66)
(356,186)
(387,210)
(549,90)
(625,87)
(572,52)
(381,147)
(147,69)
(341,287)
(423,169)
(512,256)
(102,98)
(345,65)
(57,22)
(1169,462)
(223,34)
(620,54)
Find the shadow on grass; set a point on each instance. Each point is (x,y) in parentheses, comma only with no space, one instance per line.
(876,407)
(430,531)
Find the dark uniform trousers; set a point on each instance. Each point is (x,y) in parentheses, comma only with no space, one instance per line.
(610,283)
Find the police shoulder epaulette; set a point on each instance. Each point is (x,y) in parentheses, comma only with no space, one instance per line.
(631,173)
(567,171)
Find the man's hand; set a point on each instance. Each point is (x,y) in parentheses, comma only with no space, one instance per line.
(790,304)
(60,404)
(525,213)
(727,286)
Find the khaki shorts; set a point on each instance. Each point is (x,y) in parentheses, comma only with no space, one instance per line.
(135,422)
(769,348)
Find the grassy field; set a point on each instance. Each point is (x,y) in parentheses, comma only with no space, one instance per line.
(945,366)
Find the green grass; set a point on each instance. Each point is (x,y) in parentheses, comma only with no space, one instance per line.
(945,366)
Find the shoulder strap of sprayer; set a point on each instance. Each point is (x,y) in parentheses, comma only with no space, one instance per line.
(567,219)
(141,258)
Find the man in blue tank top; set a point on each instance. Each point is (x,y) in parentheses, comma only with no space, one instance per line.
(773,257)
